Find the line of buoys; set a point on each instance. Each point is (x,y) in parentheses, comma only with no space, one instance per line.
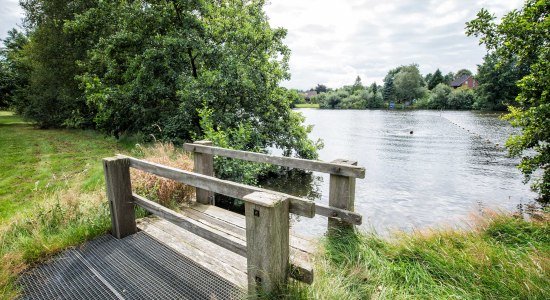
(497,145)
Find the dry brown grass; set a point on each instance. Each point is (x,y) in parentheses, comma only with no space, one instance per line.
(165,191)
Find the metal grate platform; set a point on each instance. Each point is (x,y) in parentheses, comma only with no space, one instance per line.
(136,267)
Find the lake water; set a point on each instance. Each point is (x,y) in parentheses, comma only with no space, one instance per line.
(453,165)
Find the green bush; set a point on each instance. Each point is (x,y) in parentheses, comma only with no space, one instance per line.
(461,99)
(439,96)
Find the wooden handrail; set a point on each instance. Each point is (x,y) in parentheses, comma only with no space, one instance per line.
(342,169)
(298,206)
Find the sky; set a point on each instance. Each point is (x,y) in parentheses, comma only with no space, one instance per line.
(334,41)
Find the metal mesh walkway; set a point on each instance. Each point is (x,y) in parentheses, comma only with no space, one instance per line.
(136,267)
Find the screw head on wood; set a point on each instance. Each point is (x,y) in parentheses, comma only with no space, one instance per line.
(256,213)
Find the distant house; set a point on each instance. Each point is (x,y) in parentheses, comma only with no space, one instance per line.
(309,94)
(465,81)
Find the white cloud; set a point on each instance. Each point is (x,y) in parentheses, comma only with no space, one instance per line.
(10,16)
(334,41)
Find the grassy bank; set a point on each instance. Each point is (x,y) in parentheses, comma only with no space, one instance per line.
(52,197)
(502,257)
(307,105)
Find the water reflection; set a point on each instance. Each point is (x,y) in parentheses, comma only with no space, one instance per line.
(451,165)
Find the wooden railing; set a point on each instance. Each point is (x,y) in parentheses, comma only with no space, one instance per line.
(343,174)
(266,212)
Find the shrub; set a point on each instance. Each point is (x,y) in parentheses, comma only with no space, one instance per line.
(461,99)
(438,98)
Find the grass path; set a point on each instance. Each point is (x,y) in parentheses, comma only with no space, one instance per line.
(36,161)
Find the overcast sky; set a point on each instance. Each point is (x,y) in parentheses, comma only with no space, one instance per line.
(333,41)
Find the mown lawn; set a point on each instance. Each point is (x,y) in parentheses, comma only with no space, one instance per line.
(307,105)
(52,197)
(36,161)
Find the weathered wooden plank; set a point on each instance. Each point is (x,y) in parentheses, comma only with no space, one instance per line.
(341,195)
(221,218)
(299,259)
(298,205)
(298,163)
(203,164)
(342,214)
(119,193)
(221,261)
(267,239)
(227,241)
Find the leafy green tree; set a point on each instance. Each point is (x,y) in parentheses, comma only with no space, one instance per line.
(13,74)
(53,96)
(321,88)
(295,97)
(357,85)
(435,79)
(409,84)
(498,82)
(439,97)
(523,35)
(460,98)
(389,86)
(462,72)
(428,77)
(156,66)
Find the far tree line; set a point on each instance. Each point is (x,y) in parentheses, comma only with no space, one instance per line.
(495,88)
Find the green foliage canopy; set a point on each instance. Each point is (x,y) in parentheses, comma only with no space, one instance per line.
(149,67)
(523,35)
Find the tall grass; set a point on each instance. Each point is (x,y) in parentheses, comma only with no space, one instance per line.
(502,257)
(165,191)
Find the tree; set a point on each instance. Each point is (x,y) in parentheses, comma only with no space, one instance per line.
(462,72)
(461,98)
(374,88)
(357,85)
(523,35)
(13,74)
(498,82)
(158,65)
(435,79)
(439,97)
(409,84)
(321,88)
(389,86)
(53,97)
(448,78)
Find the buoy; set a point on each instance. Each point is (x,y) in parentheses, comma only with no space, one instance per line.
(411,132)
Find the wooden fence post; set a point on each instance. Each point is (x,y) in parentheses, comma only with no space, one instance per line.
(119,193)
(341,195)
(204,164)
(267,242)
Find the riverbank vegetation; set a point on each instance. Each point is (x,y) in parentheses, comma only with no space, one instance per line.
(499,257)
